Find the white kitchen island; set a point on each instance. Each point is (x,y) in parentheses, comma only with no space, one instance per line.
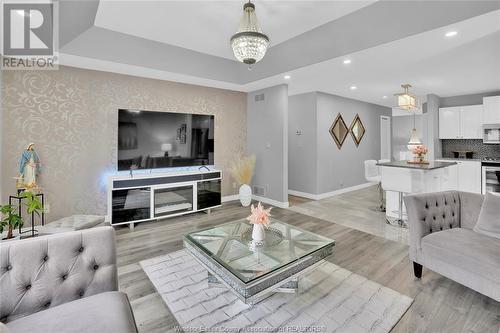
(400,177)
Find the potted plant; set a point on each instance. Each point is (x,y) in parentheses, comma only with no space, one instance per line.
(242,171)
(10,219)
(33,203)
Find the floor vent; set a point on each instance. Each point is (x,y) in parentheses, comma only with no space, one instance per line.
(259,190)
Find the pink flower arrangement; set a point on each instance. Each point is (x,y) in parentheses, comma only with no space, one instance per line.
(259,215)
(420,150)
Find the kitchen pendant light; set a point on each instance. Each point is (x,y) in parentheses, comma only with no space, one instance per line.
(406,100)
(414,139)
(249,44)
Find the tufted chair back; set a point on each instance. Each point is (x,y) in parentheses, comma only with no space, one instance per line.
(47,271)
(433,212)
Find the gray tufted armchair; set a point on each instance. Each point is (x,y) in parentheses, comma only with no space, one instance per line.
(441,238)
(63,283)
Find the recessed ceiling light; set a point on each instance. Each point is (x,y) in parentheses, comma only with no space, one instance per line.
(384,97)
(287,77)
(354,87)
(451,33)
(347,61)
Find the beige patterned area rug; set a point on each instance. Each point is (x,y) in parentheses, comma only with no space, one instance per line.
(330,299)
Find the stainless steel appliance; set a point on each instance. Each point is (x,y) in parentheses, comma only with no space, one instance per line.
(491,175)
(491,133)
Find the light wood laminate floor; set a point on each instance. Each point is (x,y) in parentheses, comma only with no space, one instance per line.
(294,200)
(354,209)
(440,305)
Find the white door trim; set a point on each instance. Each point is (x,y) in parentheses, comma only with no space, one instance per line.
(389,138)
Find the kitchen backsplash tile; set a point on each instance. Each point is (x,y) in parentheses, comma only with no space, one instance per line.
(477,146)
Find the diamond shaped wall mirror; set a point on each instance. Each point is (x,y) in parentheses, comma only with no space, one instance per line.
(357,130)
(339,131)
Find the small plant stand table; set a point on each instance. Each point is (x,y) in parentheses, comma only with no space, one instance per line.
(31,232)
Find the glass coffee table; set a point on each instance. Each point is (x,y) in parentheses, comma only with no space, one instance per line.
(254,272)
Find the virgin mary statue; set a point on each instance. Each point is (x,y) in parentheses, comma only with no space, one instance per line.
(29,167)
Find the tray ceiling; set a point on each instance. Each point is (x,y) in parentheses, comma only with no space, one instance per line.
(187,41)
(206,26)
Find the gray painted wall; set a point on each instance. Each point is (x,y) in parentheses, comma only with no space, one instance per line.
(432,111)
(333,169)
(401,131)
(302,154)
(344,168)
(462,100)
(267,139)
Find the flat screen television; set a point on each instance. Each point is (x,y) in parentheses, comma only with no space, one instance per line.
(150,139)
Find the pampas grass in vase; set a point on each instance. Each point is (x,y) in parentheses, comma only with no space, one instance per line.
(242,171)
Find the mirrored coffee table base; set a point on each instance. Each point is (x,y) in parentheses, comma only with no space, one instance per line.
(290,287)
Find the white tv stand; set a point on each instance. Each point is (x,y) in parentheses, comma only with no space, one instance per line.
(145,196)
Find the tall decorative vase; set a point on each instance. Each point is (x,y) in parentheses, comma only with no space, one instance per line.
(245,195)
(258,232)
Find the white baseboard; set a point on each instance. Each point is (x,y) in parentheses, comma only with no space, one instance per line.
(329,194)
(303,194)
(228,198)
(268,201)
(271,201)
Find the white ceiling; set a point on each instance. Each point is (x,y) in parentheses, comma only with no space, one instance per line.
(206,26)
(465,64)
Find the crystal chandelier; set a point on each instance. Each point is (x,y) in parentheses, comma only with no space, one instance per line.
(249,43)
(406,100)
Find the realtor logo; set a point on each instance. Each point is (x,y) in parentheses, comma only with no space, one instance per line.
(28,36)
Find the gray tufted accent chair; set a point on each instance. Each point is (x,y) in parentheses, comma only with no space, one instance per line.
(431,213)
(43,274)
(441,238)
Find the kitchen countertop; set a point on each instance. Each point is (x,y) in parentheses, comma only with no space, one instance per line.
(431,166)
(460,159)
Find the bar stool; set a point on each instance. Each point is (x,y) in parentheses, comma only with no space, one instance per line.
(399,221)
(372,175)
(381,187)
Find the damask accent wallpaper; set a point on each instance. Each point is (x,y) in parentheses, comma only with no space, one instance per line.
(72,117)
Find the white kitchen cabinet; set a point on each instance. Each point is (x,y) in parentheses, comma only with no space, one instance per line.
(461,122)
(491,110)
(449,182)
(449,123)
(468,175)
(471,122)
